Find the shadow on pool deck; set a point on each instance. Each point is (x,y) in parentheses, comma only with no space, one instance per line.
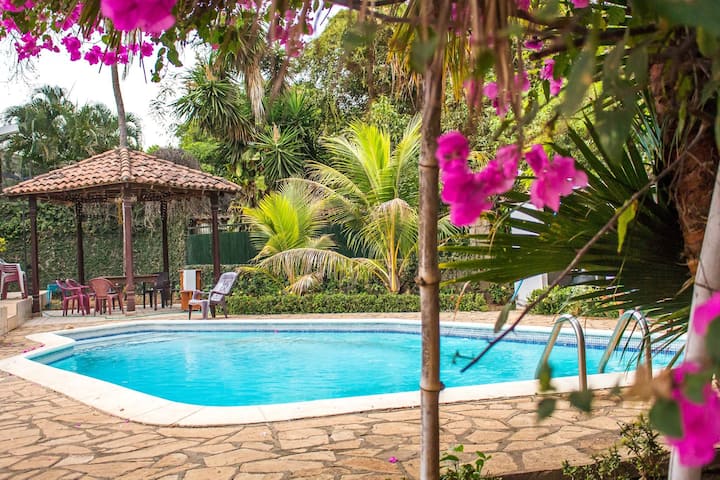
(45,435)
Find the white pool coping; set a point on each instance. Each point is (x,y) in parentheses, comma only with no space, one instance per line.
(140,407)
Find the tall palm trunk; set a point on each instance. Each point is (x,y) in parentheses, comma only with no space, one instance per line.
(122,120)
(695,191)
(694,147)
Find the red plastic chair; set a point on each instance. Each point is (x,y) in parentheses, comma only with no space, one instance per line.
(73,297)
(105,295)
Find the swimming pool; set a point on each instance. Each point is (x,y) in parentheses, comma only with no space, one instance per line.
(271,365)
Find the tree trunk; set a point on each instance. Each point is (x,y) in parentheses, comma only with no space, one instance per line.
(122,120)
(707,281)
(428,278)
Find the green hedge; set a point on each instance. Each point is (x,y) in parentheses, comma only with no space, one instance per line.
(344,303)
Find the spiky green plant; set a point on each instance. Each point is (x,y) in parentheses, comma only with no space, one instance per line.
(644,270)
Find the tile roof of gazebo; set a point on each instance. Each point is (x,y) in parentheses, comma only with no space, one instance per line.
(101,178)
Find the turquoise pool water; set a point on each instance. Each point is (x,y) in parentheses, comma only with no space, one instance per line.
(240,368)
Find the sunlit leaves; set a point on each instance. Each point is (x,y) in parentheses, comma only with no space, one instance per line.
(627,216)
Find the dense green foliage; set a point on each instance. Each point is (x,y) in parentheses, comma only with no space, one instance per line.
(103,241)
(345,303)
(53,131)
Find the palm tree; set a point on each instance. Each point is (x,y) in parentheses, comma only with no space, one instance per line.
(287,227)
(54,131)
(364,183)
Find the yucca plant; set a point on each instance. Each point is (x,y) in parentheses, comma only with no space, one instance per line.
(639,268)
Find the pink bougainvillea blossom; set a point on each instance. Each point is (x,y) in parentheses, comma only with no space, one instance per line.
(452,151)
(580,3)
(522,4)
(500,173)
(152,16)
(468,193)
(10,6)
(706,313)
(548,73)
(393,460)
(700,421)
(553,179)
(500,99)
(534,44)
(72,45)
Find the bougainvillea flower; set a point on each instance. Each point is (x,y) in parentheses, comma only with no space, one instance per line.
(499,175)
(475,202)
(580,3)
(706,313)
(534,44)
(152,16)
(553,179)
(548,73)
(452,150)
(700,421)
(523,4)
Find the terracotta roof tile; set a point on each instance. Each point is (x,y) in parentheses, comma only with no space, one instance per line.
(122,166)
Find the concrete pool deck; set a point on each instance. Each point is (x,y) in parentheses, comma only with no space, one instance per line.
(45,435)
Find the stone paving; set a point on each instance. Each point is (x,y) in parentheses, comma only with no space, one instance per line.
(46,436)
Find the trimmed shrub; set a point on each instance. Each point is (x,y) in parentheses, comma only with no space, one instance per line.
(239,304)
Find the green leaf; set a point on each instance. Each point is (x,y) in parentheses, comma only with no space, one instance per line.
(581,400)
(694,386)
(360,35)
(545,377)
(637,66)
(503,317)
(623,221)
(616,15)
(698,13)
(613,128)
(665,418)
(580,79)
(712,340)
(422,51)
(546,407)
(708,44)
(459,448)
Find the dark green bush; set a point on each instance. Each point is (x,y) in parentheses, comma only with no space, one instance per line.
(240,304)
(561,300)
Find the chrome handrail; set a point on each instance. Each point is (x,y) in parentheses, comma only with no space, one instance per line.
(620,327)
(582,363)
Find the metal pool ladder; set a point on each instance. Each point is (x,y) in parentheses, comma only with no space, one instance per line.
(620,328)
(582,363)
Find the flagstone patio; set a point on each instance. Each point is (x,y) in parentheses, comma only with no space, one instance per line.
(46,436)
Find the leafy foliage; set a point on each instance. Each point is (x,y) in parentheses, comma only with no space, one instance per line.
(529,242)
(53,131)
(452,469)
(344,303)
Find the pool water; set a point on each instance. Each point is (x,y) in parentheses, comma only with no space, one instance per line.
(242,368)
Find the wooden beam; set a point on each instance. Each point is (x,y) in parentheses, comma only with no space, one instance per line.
(215,235)
(164,225)
(80,251)
(34,256)
(127,203)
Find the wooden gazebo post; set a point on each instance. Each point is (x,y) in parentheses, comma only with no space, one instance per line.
(34,256)
(127,203)
(215,235)
(79,241)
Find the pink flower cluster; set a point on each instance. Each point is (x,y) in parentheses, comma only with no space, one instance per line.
(548,73)
(700,421)
(285,30)
(153,16)
(469,193)
(10,6)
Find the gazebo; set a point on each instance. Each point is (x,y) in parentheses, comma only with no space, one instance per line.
(125,176)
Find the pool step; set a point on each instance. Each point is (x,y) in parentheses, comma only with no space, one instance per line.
(14,312)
